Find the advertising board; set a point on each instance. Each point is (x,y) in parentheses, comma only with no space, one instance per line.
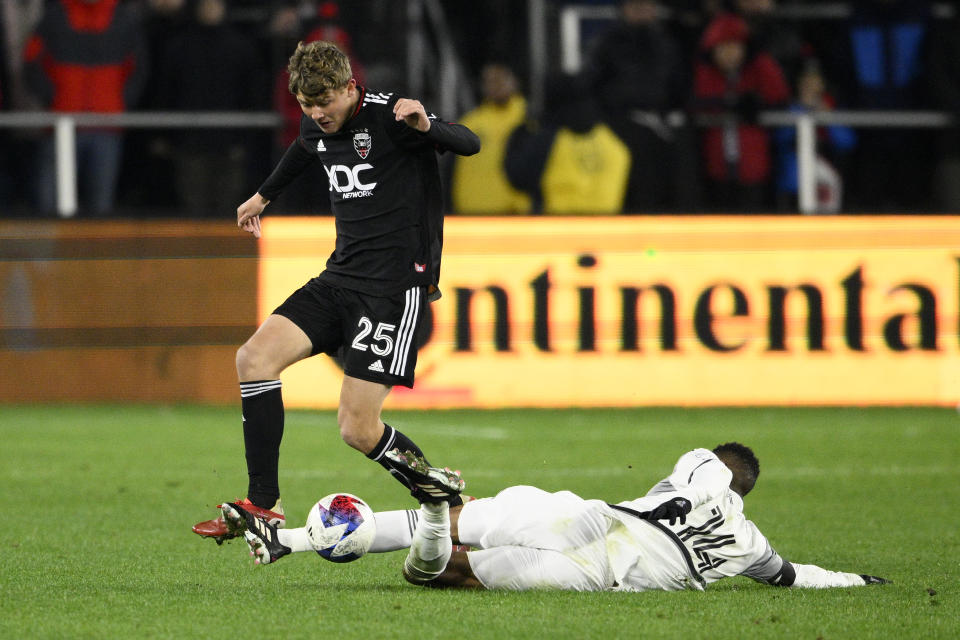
(691,310)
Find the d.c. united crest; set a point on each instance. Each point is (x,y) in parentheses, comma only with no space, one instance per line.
(362,143)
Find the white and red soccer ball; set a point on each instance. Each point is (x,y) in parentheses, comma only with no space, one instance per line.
(341,527)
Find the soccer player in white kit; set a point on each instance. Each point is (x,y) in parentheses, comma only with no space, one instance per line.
(686,532)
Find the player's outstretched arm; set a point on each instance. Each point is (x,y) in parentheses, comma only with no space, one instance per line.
(810,576)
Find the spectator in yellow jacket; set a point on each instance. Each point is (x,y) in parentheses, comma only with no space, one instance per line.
(572,162)
(480,184)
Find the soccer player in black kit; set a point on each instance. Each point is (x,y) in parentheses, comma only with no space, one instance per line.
(379,151)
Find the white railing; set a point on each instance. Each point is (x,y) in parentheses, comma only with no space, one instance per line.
(64,127)
(807,123)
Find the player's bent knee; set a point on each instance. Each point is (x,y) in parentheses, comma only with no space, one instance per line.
(247,362)
(362,441)
(358,430)
(354,441)
(242,360)
(254,363)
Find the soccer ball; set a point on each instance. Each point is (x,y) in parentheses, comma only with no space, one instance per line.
(341,527)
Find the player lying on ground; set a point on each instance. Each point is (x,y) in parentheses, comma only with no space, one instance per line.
(686,532)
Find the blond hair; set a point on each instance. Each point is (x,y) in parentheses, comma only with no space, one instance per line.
(317,67)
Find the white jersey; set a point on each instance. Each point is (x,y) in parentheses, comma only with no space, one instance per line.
(717,540)
(528,538)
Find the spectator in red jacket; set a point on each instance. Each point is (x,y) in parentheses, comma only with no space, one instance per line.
(290,24)
(732,82)
(86,55)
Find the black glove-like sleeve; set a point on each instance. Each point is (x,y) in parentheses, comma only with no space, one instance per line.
(673,509)
(454,137)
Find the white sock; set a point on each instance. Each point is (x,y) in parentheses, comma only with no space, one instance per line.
(394,531)
(431,546)
(296,539)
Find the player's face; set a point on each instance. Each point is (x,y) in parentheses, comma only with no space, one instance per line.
(332,109)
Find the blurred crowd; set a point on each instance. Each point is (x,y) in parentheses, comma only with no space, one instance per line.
(663,116)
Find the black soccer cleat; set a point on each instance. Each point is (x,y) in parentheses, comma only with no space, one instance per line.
(429,484)
(260,535)
(874,580)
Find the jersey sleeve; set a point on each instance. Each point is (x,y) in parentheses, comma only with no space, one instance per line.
(770,568)
(767,565)
(294,161)
(810,576)
(699,476)
(450,136)
(807,576)
(443,136)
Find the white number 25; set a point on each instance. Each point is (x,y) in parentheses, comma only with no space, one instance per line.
(381,335)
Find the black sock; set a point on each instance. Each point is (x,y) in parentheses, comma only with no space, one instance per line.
(262,404)
(394,439)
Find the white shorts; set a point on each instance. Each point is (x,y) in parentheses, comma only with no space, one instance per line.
(531,539)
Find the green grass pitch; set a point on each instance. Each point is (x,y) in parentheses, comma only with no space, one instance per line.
(97,504)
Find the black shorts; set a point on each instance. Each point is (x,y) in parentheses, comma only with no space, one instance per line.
(373,338)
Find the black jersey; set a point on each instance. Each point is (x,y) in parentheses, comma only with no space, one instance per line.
(385,193)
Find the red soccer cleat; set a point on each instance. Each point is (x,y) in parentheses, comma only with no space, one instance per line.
(221,530)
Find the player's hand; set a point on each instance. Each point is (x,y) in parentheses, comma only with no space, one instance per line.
(248,214)
(875,580)
(673,509)
(412,113)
